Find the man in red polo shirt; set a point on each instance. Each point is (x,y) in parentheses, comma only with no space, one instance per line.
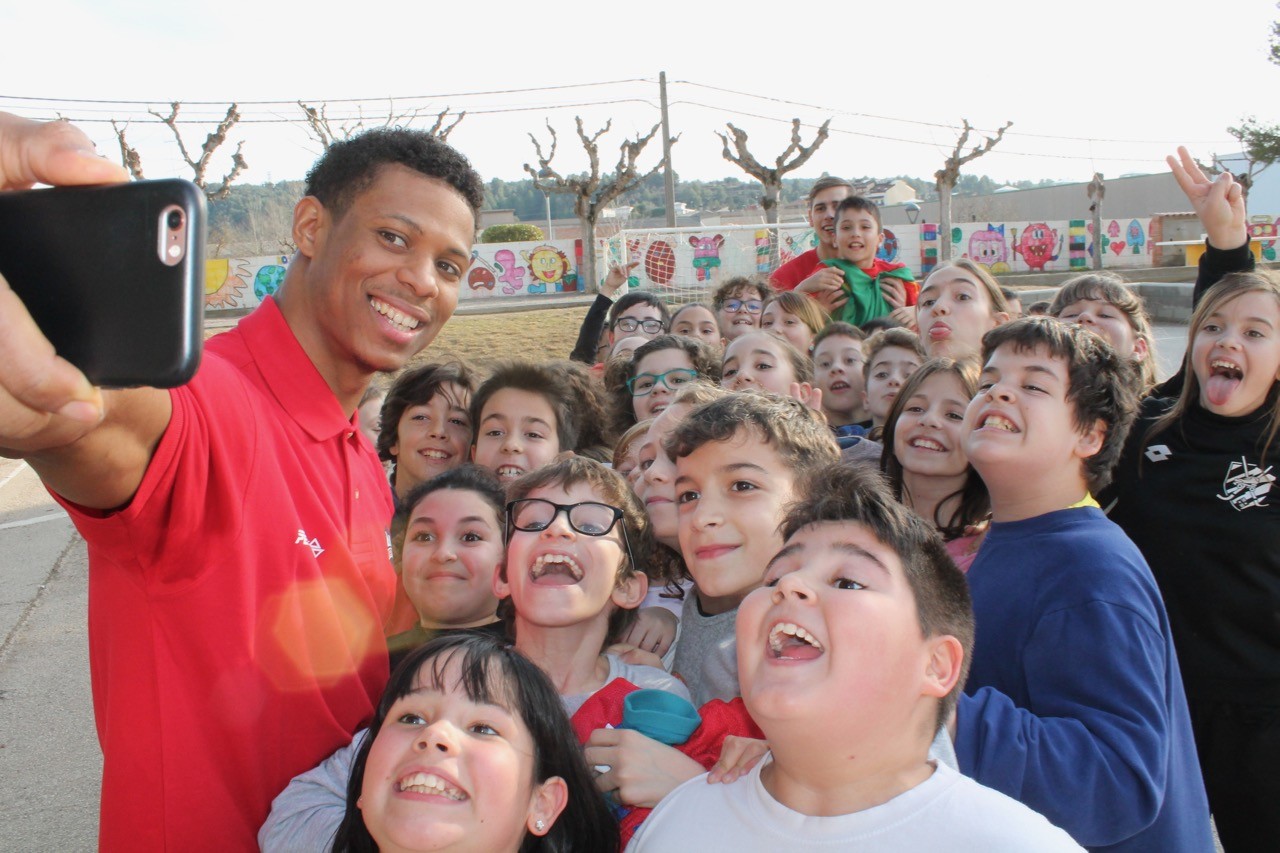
(237,527)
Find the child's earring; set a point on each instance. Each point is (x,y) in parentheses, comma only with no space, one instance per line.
(539,825)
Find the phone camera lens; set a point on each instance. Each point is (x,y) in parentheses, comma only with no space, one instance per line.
(175,220)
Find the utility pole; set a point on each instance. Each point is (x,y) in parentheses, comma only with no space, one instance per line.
(1097,190)
(668,176)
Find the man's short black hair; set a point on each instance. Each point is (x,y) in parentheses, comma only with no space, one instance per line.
(350,166)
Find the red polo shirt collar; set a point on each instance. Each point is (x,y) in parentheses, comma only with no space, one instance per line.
(291,375)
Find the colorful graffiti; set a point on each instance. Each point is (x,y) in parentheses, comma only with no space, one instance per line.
(706,255)
(1077,245)
(660,262)
(987,247)
(1037,245)
(1135,237)
(482,275)
(510,273)
(888,250)
(549,267)
(225,281)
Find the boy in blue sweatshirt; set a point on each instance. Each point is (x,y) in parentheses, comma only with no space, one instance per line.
(1074,703)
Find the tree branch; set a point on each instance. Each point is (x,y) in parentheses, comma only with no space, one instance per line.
(129,156)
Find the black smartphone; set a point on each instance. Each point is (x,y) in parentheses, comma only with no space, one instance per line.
(113,276)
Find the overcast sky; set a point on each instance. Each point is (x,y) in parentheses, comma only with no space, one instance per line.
(1106,86)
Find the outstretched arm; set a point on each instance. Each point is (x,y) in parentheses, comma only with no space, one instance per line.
(88,445)
(1220,205)
(584,350)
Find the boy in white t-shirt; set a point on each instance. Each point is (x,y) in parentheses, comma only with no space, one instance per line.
(849,658)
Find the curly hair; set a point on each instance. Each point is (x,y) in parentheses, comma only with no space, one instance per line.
(732,285)
(350,166)
(797,433)
(1100,383)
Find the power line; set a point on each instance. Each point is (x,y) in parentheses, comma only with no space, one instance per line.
(78,119)
(294,102)
(942,124)
(916,141)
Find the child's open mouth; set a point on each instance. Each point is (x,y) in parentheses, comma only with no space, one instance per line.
(509,472)
(788,641)
(1224,378)
(838,386)
(555,570)
(923,443)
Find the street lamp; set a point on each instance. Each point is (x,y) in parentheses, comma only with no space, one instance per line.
(546,198)
(913,212)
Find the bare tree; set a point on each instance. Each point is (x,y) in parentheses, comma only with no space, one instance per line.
(592,192)
(327,132)
(212,143)
(770,177)
(1260,147)
(1097,191)
(129,156)
(945,179)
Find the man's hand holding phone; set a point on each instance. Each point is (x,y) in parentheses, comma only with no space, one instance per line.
(46,404)
(39,390)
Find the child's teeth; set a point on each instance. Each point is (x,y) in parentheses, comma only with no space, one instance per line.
(791,630)
(429,783)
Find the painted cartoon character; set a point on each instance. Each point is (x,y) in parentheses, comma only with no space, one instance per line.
(706,255)
(987,247)
(509,273)
(548,266)
(1037,245)
(481,275)
(1135,237)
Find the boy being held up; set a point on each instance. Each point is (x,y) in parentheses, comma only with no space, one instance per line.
(875,287)
(850,659)
(1074,704)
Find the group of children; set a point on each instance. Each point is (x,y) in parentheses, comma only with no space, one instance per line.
(801,585)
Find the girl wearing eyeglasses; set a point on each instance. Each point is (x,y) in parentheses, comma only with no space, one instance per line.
(656,371)
(738,304)
(571,583)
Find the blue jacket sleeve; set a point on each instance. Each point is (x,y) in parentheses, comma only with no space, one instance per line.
(1090,752)
(306,815)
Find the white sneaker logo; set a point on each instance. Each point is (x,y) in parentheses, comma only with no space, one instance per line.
(313,544)
(1245,485)
(1158,452)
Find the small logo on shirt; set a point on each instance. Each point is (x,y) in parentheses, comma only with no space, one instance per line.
(391,554)
(1246,486)
(1158,452)
(313,544)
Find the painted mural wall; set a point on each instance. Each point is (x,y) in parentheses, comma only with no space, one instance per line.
(693,260)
